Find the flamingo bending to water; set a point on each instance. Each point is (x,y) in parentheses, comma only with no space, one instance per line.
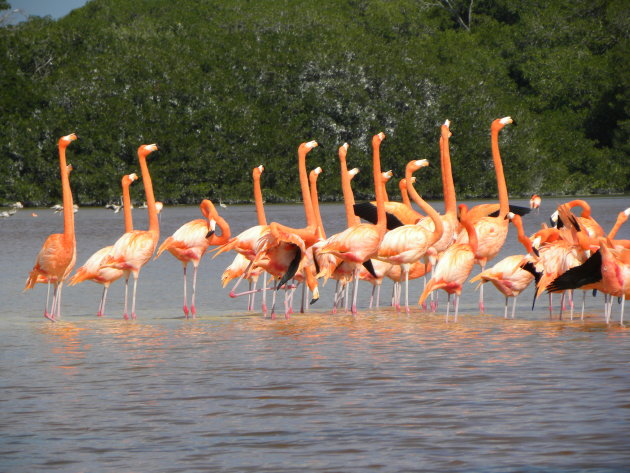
(189,243)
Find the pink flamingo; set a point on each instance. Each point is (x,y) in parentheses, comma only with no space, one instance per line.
(92,269)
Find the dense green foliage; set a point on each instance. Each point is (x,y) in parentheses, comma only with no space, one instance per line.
(223,86)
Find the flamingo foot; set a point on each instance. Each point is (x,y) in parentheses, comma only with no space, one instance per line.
(273,315)
(232,294)
(354,309)
(133,315)
(126,316)
(193,311)
(482,307)
(407,309)
(334,311)
(433,306)
(49,317)
(424,306)
(186,310)
(264,309)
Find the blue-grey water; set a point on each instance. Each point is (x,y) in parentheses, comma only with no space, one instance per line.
(232,391)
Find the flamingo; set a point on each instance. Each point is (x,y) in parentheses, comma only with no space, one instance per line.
(58,255)
(330,265)
(507,275)
(407,244)
(92,270)
(455,265)
(492,231)
(245,242)
(189,243)
(585,220)
(359,243)
(134,249)
(280,250)
(534,202)
(607,270)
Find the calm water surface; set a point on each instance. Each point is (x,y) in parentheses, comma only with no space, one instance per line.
(231,391)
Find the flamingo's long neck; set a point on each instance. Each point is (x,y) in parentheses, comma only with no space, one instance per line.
(154,224)
(126,182)
(586,209)
(315,199)
(378,183)
(348,196)
(504,205)
(437,221)
(525,241)
(306,194)
(210,212)
(450,201)
(470,229)
(402,185)
(260,209)
(68,204)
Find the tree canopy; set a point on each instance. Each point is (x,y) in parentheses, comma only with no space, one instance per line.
(223,86)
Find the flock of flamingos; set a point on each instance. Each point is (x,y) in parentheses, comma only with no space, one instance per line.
(399,243)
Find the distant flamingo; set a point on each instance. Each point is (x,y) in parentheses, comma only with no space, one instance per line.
(134,249)
(407,244)
(492,231)
(359,243)
(58,255)
(189,243)
(454,266)
(92,270)
(507,275)
(534,202)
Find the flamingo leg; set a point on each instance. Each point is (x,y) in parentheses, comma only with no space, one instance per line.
(133,300)
(378,295)
(355,291)
(100,305)
(550,305)
(51,315)
(514,306)
(405,269)
(126,314)
(336,297)
(561,306)
(623,303)
(448,306)
(58,313)
(273,304)
(304,296)
(193,311)
(105,290)
(264,301)
(254,295)
(346,298)
(46,313)
(583,302)
(505,308)
(372,295)
(571,302)
(185,296)
(482,307)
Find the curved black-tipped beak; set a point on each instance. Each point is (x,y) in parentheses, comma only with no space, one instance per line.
(210,233)
(514,122)
(313,301)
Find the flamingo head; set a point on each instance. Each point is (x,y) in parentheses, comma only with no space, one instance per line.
(145,150)
(553,218)
(415,165)
(353,172)
(317,171)
(66,140)
(387,175)
(132,177)
(69,168)
(159,206)
(343,150)
(212,224)
(257,171)
(378,138)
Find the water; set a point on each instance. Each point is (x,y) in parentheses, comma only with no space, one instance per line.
(231,391)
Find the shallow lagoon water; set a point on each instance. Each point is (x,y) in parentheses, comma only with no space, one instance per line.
(231,391)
